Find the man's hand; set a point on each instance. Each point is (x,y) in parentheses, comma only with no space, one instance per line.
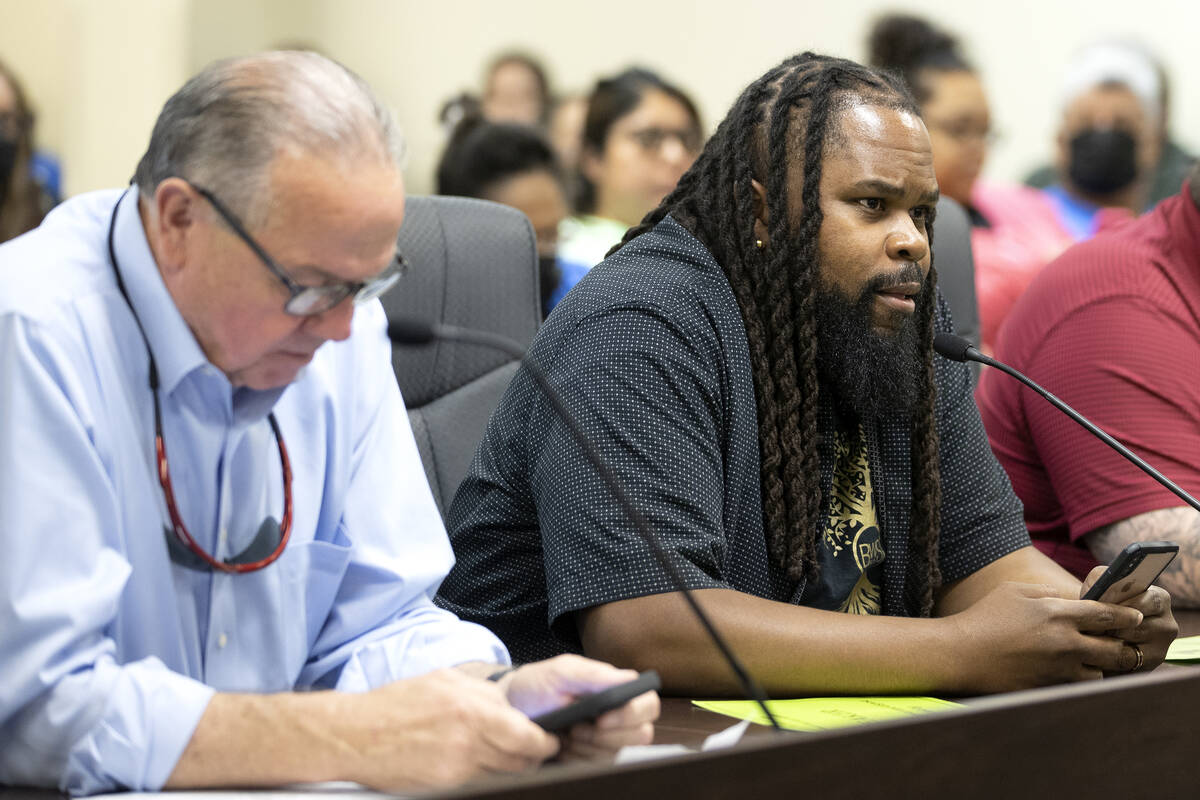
(546,685)
(1155,632)
(1023,635)
(439,730)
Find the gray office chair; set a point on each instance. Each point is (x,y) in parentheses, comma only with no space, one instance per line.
(956,269)
(471,263)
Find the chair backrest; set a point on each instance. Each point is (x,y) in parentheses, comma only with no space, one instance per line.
(956,269)
(956,266)
(471,263)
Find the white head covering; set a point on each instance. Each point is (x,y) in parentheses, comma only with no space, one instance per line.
(1115,61)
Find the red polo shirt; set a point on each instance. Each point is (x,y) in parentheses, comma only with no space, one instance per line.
(1113,328)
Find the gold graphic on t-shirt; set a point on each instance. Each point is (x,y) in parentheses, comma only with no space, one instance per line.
(852,525)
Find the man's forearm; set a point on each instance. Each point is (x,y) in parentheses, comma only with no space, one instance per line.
(435,730)
(265,740)
(790,650)
(1180,525)
(1015,623)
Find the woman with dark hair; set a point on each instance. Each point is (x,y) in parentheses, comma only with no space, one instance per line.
(515,166)
(1014,231)
(516,89)
(23,202)
(640,135)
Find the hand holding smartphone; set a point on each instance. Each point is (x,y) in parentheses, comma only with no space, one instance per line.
(588,707)
(1132,572)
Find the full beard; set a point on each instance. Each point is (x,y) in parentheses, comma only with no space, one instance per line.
(870,374)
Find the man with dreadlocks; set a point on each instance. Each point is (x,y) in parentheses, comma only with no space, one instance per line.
(754,362)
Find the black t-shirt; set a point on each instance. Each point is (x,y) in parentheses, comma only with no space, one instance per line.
(650,354)
(851,551)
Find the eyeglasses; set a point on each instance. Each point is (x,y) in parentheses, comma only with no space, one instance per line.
(652,139)
(308,300)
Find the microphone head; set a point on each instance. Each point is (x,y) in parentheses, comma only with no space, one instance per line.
(411,331)
(955,348)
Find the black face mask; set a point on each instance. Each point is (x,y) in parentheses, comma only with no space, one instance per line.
(8,160)
(1102,161)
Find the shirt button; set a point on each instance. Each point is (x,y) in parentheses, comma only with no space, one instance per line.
(222,538)
(222,640)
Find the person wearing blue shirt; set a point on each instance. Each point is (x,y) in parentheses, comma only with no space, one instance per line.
(1110,138)
(210,498)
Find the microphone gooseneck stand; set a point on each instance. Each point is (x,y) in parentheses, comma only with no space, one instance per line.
(957,348)
(417,332)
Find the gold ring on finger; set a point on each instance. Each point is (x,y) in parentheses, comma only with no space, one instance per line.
(1141,658)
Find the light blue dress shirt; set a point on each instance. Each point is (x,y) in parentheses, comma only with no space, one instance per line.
(109,652)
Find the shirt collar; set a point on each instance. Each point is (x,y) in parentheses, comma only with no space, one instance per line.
(176,351)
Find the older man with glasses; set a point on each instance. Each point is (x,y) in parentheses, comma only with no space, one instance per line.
(210,499)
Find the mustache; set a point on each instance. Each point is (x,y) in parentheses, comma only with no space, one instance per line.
(909,273)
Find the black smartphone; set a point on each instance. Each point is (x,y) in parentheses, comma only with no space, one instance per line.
(1132,571)
(591,706)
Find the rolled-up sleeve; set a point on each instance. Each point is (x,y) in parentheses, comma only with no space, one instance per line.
(70,715)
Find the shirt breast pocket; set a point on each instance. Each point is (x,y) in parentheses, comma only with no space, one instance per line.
(284,607)
(309,583)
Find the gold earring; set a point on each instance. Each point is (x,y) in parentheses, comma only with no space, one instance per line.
(758,243)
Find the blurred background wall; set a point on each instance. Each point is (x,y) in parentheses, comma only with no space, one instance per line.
(99,70)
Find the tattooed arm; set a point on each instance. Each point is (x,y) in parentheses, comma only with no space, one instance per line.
(1181,525)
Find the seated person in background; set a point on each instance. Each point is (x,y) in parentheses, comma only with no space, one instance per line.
(1113,328)
(1109,139)
(755,364)
(1174,163)
(23,200)
(154,625)
(513,165)
(640,134)
(1014,230)
(516,90)
(565,131)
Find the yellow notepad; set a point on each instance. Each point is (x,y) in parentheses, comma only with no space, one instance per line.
(822,713)
(1185,648)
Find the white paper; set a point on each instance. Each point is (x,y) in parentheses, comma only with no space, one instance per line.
(726,738)
(649,752)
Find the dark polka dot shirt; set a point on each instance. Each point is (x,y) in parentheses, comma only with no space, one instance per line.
(650,355)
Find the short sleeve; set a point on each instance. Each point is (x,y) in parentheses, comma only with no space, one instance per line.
(1130,367)
(647,395)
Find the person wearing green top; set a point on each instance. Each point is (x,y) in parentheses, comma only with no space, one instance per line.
(640,135)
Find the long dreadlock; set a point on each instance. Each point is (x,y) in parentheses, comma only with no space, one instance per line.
(775,289)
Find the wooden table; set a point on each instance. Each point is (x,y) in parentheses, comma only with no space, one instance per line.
(1128,737)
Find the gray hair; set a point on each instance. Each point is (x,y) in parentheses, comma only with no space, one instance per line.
(225,126)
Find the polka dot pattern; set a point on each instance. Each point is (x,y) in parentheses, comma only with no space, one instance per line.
(650,355)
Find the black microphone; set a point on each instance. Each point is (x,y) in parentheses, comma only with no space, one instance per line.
(417,332)
(957,348)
